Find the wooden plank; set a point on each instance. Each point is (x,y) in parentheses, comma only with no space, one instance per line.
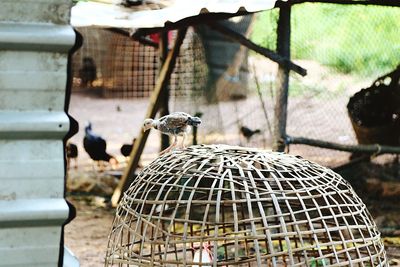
(141,39)
(190,21)
(154,103)
(237,37)
(164,109)
(146,41)
(282,80)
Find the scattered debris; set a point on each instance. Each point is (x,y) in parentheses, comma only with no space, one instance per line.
(101,184)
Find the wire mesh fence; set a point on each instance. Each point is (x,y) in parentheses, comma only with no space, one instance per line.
(89,61)
(343,48)
(120,67)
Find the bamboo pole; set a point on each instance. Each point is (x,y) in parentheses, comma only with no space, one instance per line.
(276,57)
(370,149)
(282,79)
(259,93)
(154,103)
(164,109)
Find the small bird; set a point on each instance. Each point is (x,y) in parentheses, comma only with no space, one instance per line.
(126,149)
(248,133)
(71,153)
(88,72)
(96,146)
(174,124)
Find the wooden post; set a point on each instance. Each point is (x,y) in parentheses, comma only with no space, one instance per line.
(282,79)
(164,109)
(155,101)
(243,40)
(363,148)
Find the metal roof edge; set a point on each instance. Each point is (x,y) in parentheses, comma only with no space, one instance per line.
(85,14)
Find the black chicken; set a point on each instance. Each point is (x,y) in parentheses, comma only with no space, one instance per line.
(248,133)
(88,72)
(96,146)
(72,153)
(129,3)
(126,149)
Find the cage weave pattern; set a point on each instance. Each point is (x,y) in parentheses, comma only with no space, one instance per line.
(246,207)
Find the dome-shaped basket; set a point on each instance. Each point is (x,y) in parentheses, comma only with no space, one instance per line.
(232,206)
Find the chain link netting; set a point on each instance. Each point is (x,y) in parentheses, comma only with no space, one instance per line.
(344,49)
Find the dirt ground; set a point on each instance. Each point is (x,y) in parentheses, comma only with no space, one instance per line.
(87,234)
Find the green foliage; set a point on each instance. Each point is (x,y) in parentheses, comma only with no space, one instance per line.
(318,263)
(264,29)
(361,39)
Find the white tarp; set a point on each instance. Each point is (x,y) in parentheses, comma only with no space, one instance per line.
(98,14)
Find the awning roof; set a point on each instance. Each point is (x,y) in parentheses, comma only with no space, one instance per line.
(110,15)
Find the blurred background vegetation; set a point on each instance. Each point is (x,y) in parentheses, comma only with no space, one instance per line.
(363,40)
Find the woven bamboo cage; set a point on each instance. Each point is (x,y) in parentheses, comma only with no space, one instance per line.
(241,207)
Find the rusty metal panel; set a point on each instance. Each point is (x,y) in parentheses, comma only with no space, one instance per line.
(35,39)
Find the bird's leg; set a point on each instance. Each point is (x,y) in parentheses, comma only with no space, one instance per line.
(183,141)
(76,163)
(175,141)
(171,146)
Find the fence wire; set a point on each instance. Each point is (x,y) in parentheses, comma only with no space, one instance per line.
(344,49)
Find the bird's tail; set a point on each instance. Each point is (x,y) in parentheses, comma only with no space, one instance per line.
(194,121)
(257,131)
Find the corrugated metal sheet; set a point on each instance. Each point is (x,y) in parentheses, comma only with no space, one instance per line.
(34,42)
(92,13)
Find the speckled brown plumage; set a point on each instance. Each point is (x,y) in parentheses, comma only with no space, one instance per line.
(174,124)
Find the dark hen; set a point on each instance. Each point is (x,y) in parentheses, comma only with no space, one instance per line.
(126,149)
(88,72)
(248,133)
(96,146)
(71,153)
